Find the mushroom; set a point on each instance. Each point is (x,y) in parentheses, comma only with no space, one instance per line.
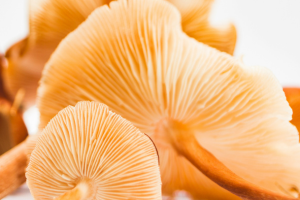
(12,132)
(12,127)
(12,169)
(3,92)
(13,164)
(293,97)
(135,58)
(52,20)
(89,152)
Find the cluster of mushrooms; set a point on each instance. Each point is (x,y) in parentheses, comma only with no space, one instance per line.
(139,99)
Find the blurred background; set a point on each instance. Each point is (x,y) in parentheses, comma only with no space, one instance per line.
(268,35)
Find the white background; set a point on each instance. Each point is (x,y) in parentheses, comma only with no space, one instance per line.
(268,35)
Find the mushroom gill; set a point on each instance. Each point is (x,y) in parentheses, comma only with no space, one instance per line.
(135,58)
(88,152)
(52,20)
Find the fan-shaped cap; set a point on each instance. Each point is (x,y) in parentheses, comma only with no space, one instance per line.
(90,144)
(135,58)
(51,20)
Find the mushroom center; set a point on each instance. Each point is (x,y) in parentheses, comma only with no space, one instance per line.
(86,188)
(168,131)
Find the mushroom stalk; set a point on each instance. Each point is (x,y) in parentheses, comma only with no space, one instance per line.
(3,63)
(80,192)
(187,145)
(12,169)
(13,129)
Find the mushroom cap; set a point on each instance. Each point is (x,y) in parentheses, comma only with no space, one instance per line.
(89,143)
(51,20)
(135,58)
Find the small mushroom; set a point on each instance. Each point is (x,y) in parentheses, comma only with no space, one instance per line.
(88,152)
(205,111)
(52,20)
(12,132)
(12,127)
(293,97)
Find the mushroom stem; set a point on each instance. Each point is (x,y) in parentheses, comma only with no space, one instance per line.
(80,192)
(187,145)
(3,93)
(12,127)
(12,169)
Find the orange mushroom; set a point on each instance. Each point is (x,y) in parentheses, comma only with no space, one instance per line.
(293,97)
(88,152)
(200,106)
(3,92)
(12,127)
(12,169)
(12,132)
(52,20)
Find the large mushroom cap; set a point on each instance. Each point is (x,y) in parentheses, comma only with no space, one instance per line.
(51,20)
(135,58)
(90,144)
